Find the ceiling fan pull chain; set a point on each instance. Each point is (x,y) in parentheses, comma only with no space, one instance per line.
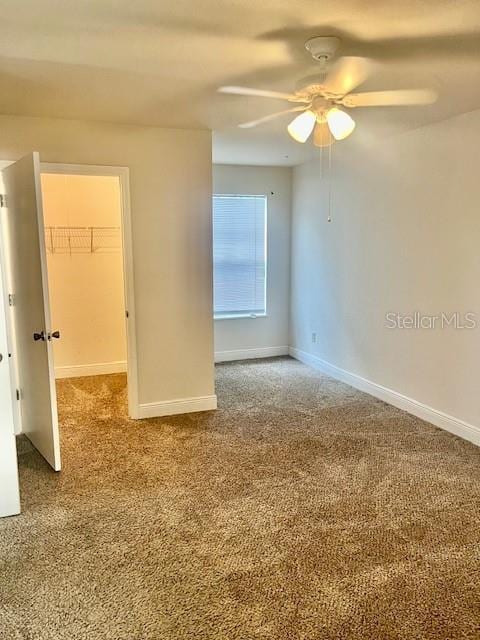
(329,218)
(321,163)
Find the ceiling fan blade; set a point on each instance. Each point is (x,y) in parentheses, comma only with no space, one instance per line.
(390,98)
(346,74)
(271,116)
(322,136)
(260,93)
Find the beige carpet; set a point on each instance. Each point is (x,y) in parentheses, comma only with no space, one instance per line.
(301,509)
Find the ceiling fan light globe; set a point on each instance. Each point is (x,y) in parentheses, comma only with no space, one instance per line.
(340,123)
(301,127)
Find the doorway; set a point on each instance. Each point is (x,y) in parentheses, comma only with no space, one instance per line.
(87,234)
(82,217)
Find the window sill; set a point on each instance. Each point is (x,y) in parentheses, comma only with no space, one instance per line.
(250,316)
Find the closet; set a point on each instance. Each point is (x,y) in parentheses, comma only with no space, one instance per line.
(83,240)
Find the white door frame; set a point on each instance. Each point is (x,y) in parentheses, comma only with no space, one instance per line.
(122,173)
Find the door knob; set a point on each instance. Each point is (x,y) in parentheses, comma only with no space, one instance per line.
(39,336)
(54,334)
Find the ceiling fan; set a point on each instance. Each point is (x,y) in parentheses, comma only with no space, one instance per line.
(319,98)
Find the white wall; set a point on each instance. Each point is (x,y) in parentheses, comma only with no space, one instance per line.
(248,337)
(86,288)
(170,183)
(405,237)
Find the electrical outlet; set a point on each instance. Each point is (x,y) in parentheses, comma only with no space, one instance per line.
(314,337)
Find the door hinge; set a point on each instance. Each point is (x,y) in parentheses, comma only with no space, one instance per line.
(11,299)
(3,200)
(19,395)
(126,314)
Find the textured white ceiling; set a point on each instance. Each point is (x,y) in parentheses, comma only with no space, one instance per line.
(159,63)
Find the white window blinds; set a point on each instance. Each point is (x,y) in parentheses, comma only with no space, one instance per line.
(239,255)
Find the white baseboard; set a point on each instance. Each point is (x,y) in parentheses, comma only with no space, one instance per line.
(80,370)
(173,407)
(423,411)
(248,354)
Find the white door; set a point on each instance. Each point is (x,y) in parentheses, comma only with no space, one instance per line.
(9,494)
(31,309)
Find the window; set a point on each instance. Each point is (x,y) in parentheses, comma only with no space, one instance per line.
(239,255)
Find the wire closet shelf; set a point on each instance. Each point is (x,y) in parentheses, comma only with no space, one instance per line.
(73,240)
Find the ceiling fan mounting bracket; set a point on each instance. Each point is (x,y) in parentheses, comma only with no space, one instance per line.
(322,48)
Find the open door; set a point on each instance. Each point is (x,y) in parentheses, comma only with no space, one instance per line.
(27,265)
